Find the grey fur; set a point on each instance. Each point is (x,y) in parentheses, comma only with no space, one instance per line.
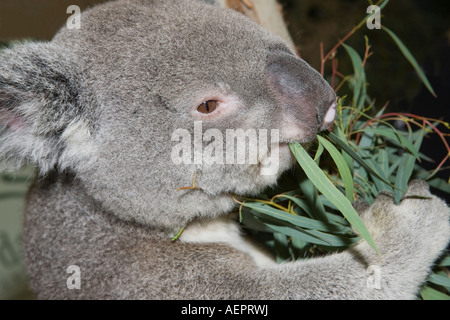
(95,109)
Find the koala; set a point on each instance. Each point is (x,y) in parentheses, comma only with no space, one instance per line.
(96,109)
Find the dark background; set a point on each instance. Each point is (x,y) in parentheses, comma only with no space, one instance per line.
(422,25)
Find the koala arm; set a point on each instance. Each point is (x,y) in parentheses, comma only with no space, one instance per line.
(409,236)
(120,260)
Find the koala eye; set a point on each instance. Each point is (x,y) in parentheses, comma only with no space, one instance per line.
(208,106)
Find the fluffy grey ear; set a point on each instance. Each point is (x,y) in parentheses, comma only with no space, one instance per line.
(39,100)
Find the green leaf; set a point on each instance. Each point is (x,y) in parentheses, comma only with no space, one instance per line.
(402,177)
(271,223)
(383,160)
(300,203)
(439,280)
(324,185)
(378,173)
(405,171)
(330,217)
(344,170)
(318,153)
(359,88)
(248,220)
(408,55)
(394,135)
(395,164)
(311,195)
(312,236)
(281,246)
(299,248)
(440,184)
(299,221)
(445,262)
(429,293)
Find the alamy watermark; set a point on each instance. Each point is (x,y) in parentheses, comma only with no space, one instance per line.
(74,280)
(374,21)
(374,280)
(74,21)
(239,146)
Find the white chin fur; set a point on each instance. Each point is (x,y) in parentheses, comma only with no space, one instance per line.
(227,231)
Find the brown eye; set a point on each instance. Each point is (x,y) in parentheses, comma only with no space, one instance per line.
(208,106)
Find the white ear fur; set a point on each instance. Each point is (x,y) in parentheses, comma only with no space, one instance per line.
(38,107)
(79,145)
(19,145)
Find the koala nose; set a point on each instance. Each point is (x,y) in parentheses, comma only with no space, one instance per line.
(301,92)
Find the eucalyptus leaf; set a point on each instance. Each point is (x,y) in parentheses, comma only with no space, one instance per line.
(408,55)
(316,237)
(405,171)
(344,170)
(391,134)
(429,293)
(356,155)
(299,221)
(440,280)
(359,83)
(445,262)
(324,185)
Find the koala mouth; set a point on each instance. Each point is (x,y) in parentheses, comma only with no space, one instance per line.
(278,160)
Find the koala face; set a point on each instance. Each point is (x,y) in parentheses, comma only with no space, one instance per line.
(134,74)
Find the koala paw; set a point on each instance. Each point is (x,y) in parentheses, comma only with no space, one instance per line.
(417,228)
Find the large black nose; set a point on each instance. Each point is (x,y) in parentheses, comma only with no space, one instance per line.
(299,89)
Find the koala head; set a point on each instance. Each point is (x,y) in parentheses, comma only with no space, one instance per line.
(111,102)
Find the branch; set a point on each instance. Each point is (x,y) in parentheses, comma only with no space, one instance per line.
(268,13)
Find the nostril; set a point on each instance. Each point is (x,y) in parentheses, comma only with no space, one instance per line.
(329,116)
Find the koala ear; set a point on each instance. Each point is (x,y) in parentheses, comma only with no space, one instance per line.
(39,103)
